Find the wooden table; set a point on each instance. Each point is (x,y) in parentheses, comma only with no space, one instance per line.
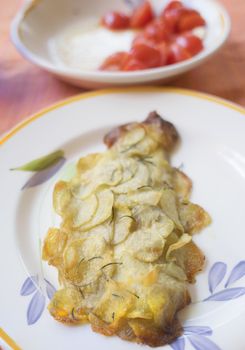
(24,88)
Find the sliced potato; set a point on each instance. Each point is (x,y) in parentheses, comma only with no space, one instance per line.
(141,197)
(65,304)
(104,209)
(115,303)
(61,197)
(141,178)
(168,204)
(193,217)
(131,139)
(87,163)
(54,245)
(153,217)
(184,239)
(146,245)
(84,210)
(123,222)
(84,258)
(182,184)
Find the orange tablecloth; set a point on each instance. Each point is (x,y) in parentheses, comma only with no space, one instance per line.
(24,88)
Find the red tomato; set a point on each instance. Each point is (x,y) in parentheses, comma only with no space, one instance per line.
(157,31)
(177,54)
(115,20)
(141,39)
(115,62)
(190,42)
(146,54)
(164,52)
(172,17)
(190,21)
(173,5)
(133,64)
(142,15)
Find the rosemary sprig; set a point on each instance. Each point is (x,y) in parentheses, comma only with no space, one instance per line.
(95,257)
(112,263)
(72,314)
(145,186)
(133,294)
(113,316)
(117,296)
(81,292)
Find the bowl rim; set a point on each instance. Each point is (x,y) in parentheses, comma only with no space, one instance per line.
(118,77)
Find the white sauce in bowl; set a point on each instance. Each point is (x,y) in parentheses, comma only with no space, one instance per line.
(86,45)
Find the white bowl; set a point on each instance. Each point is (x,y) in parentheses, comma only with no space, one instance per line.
(38,26)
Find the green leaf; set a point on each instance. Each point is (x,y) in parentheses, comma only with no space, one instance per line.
(42,163)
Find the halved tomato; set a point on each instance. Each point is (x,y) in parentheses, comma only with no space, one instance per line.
(115,20)
(133,64)
(115,62)
(158,30)
(163,48)
(190,20)
(146,54)
(142,15)
(173,5)
(177,54)
(190,42)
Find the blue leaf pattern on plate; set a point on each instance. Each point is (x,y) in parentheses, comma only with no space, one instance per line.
(200,342)
(237,273)
(227,294)
(50,289)
(29,286)
(216,275)
(178,344)
(188,330)
(35,308)
(44,175)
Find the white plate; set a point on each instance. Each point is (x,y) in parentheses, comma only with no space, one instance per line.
(213,155)
(41,26)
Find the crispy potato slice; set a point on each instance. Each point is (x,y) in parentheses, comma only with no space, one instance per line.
(84,258)
(53,247)
(168,203)
(108,174)
(190,259)
(141,178)
(183,240)
(145,245)
(85,210)
(193,217)
(114,304)
(123,223)
(104,209)
(64,306)
(61,197)
(88,162)
(130,140)
(182,184)
(141,197)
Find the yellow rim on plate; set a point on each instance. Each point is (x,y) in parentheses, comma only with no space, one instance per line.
(92,94)
(8,340)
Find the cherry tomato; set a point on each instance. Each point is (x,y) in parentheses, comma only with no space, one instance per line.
(133,64)
(115,62)
(189,21)
(115,20)
(157,31)
(164,52)
(172,17)
(146,54)
(190,42)
(177,54)
(142,15)
(173,5)
(141,39)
